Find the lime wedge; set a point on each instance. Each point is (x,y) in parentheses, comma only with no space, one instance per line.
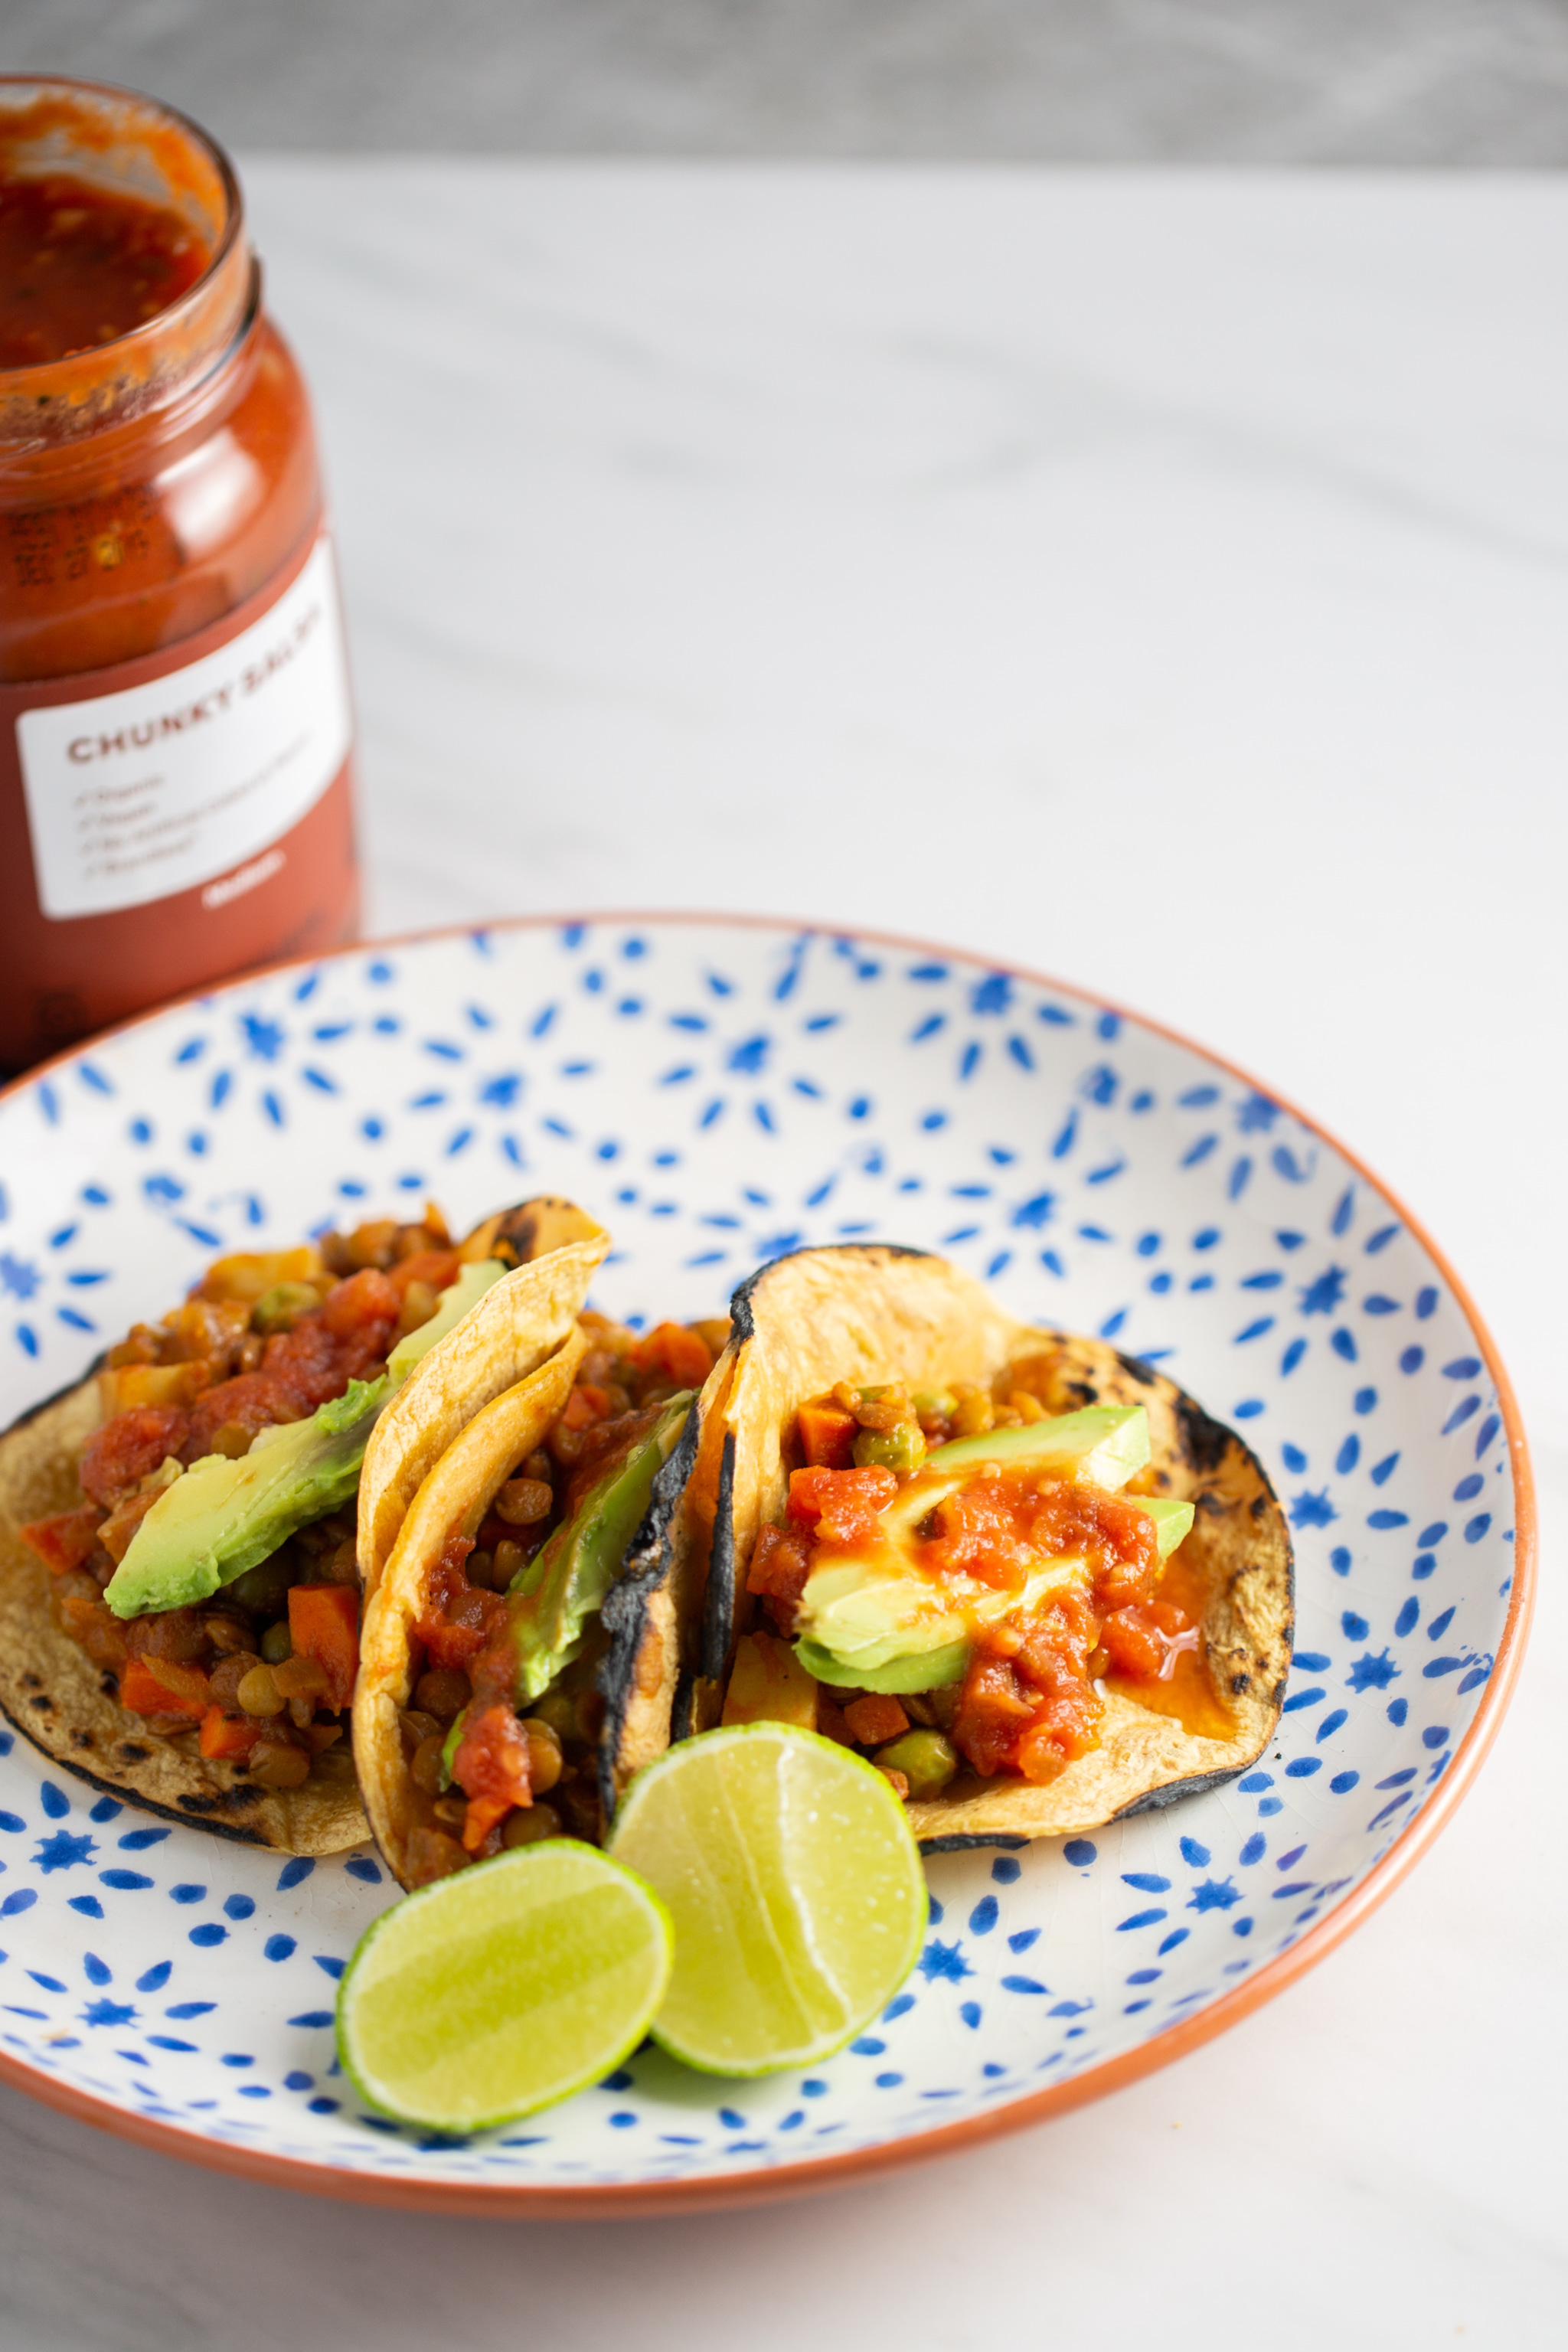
(503,1988)
(794,1888)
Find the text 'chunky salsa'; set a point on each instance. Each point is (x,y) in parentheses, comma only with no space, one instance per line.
(964,1579)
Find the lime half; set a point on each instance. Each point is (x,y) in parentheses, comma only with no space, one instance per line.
(794,1888)
(502,1988)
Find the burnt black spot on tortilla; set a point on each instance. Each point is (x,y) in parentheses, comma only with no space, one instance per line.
(719,1602)
(242,1799)
(1258,1504)
(30,1681)
(1084,1390)
(743,1323)
(81,1739)
(45,1706)
(967,1844)
(624,1613)
(1212,1506)
(112,1784)
(108,1684)
(1136,1368)
(683,1713)
(1196,1784)
(1204,1442)
(1240,1683)
(514,1237)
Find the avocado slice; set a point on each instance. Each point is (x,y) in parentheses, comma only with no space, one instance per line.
(221,1517)
(1105,1443)
(563,1589)
(926,1670)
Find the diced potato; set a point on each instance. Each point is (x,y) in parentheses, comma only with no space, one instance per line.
(250,1274)
(769,1684)
(134,1384)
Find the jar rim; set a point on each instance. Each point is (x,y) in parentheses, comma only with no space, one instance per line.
(123,375)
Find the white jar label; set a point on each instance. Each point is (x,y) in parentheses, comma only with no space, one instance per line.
(137,795)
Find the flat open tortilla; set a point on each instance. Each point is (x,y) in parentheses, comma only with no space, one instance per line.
(68,1707)
(871,1314)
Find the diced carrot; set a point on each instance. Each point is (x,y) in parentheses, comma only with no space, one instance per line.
(119,1529)
(826,1435)
(438,1269)
(229,1738)
(323,1625)
(66,1540)
(682,1355)
(163,1686)
(874,1719)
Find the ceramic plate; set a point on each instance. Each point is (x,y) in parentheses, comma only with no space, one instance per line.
(718,1092)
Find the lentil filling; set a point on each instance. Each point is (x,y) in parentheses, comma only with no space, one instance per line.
(260,1675)
(489,1768)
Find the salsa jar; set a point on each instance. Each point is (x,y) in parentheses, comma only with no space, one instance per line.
(175,726)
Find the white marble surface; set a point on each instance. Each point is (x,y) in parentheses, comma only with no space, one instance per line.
(1158,581)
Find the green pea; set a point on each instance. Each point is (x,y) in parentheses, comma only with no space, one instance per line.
(262,1589)
(280,1308)
(933,1404)
(559,1710)
(926,1759)
(904,1448)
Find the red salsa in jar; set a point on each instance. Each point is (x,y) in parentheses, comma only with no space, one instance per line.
(175,730)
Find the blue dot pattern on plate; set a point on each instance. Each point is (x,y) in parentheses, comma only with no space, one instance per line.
(721,1094)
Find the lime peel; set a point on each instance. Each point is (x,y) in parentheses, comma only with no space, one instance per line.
(794,1888)
(503,1988)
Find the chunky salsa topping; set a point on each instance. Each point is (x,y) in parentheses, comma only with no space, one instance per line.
(1030,1698)
(489,1770)
(261,1674)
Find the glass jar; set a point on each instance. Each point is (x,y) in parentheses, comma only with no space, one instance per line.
(176,729)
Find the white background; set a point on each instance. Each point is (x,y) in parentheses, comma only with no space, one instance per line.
(1160,581)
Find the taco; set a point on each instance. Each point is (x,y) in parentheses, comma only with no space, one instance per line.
(179,1558)
(516,1654)
(1028,1576)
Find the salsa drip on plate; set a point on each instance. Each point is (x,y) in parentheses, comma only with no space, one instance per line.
(1048,1585)
(502,1737)
(260,1675)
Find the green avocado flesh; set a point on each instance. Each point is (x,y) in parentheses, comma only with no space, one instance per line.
(881,1626)
(221,1517)
(563,1590)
